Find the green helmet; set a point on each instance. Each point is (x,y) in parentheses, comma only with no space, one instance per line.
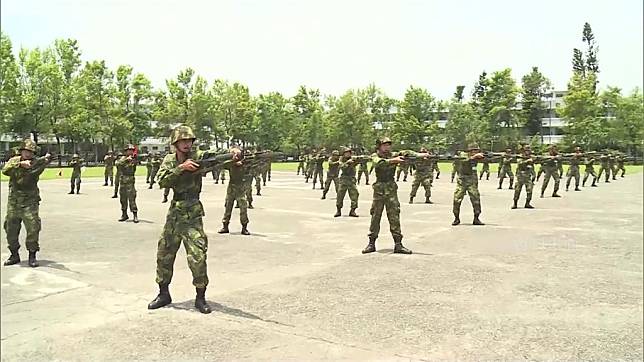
(346,149)
(129,146)
(527,148)
(383,140)
(423,149)
(28,145)
(182,133)
(472,147)
(75,155)
(335,153)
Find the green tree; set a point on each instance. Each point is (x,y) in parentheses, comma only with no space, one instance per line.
(581,110)
(534,87)
(9,92)
(415,123)
(499,102)
(271,120)
(348,120)
(307,128)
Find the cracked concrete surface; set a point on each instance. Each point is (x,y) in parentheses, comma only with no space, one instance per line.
(561,282)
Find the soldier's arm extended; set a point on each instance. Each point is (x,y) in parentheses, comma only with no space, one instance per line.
(11,166)
(169,172)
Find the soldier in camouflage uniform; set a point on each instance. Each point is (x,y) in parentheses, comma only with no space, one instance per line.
(550,167)
(363,169)
(155,161)
(76,164)
(241,178)
(385,196)
(573,170)
(590,171)
(148,168)
(506,168)
(347,183)
(23,202)
(454,166)
(467,183)
(184,222)
(300,164)
(318,168)
(525,177)
(266,171)
(126,166)
(435,168)
(117,177)
(604,167)
(611,165)
(109,168)
(619,166)
(423,176)
(486,169)
(332,173)
(403,167)
(310,165)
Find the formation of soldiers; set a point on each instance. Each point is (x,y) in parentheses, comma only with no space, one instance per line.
(183,170)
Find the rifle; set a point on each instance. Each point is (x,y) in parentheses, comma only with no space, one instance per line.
(213,159)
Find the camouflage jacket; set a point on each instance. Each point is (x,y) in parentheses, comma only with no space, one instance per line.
(238,174)
(466,168)
(109,161)
(506,162)
(186,187)
(575,161)
(126,169)
(76,165)
(155,162)
(334,166)
(23,182)
(348,168)
(424,166)
(551,163)
(525,169)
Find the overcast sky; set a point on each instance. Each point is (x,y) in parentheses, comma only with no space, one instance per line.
(335,45)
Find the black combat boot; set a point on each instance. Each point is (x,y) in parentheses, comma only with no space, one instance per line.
(32,259)
(250,205)
(338,212)
(244,230)
(124,216)
(577,188)
(165,199)
(114,196)
(477,221)
(399,248)
(352,212)
(457,220)
(162,299)
(78,190)
(105,184)
(259,193)
(71,192)
(150,187)
(514,205)
(554,194)
(324,196)
(511,184)
(428,201)
(527,205)
(200,301)
(411,199)
(224,229)
(500,184)
(371,246)
(136,218)
(14,258)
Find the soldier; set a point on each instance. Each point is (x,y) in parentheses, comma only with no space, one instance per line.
(485,169)
(76,163)
(403,167)
(109,168)
(117,177)
(573,170)
(604,166)
(506,168)
(23,202)
(184,221)
(467,183)
(611,165)
(363,169)
(318,168)
(590,171)
(435,168)
(423,176)
(148,168)
(240,182)
(347,183)
(385,195)
(310,165)
(332,173)
(266,174)
(454,170)
(126,167)
(155,161)
(550,167)
(300,164)
(525,177)
(619,162)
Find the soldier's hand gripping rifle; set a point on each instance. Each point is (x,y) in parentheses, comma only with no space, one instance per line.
(213,159)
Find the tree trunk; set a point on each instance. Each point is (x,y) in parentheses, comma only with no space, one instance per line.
(60,151)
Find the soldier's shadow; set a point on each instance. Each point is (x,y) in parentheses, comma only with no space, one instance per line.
(391,251)
(140,221)
(217,307)
(43,263)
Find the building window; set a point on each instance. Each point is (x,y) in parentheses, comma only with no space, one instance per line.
(154,148)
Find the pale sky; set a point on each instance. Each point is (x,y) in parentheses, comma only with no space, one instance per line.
(334,45)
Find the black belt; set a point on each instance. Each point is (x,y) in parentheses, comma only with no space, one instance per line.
(185,197)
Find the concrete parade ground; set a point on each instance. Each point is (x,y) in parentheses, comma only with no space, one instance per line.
(560,282)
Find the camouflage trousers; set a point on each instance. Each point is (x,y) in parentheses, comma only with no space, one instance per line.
(237,193)
(422,179)
(109,174)
(523,180)
(603,169)
(183,225)
(347,184)
(619,168)
(75,180)
(153,175)
(366,175)
(318,172)
(329,180)
(485,170)
(469,185)
(148,175)
(506,172)
(117,183)
(404,170)
(548,173)
(300,166)
(19,213)
(127,196)
(385,196)
(589,172)
(258,185)
(166,192)
(573,172)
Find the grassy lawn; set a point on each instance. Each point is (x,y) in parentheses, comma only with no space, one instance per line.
(65,172)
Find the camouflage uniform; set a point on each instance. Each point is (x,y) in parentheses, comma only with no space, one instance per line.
(611,165)
(184,224)
(23,203)
(332,173)
(619,162)
(363,169)
(127,190)
(241,178)
(506,170)
(454,169)
(156,164)
(300,164)
(148,168)
(76,163)
(550,167)
(108,160)
(423,176)
(318,169)
(347,183)
(604,167)
(385,196)
(590,171)
(435,168)
(310,165)
(403,167)
(117,178)
(266,171)
(525,177)
(467,182)
(486,169)
(573,171)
